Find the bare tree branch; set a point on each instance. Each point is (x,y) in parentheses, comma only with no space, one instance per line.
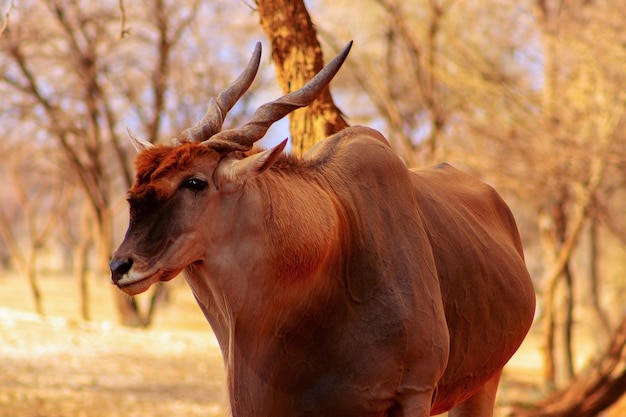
(4,22)
(123,29)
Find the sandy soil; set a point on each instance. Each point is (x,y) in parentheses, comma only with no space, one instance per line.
(59,368)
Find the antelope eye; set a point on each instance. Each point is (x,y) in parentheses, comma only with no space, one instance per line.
(194,184)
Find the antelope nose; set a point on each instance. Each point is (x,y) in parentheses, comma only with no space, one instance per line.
(119,267)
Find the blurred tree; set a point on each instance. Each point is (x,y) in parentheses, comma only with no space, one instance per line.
(5,13)
(399,64)
(421,54)
(27,224)
(582,109)
(596,388)
(76,238)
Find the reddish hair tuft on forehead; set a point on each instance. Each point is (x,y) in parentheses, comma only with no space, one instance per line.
(154,164)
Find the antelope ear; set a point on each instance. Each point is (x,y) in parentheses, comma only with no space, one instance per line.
(138,143)
(237,171)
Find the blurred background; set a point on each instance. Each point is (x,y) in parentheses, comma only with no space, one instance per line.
(526,95)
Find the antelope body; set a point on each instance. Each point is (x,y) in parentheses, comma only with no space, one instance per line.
(337,284)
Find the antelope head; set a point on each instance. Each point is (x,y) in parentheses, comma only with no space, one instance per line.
(181,204)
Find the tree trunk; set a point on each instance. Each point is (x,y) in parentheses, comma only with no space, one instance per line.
(33,282)
(568,325)
(128,309)
(160,295)
(595,389)
(558,362)
(594,272)
(81,269)
(297,55)
(26,263)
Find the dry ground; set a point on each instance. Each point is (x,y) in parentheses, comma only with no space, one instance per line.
(49,368)
(63,367)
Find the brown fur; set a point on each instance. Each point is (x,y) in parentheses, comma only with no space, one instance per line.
(340,283)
